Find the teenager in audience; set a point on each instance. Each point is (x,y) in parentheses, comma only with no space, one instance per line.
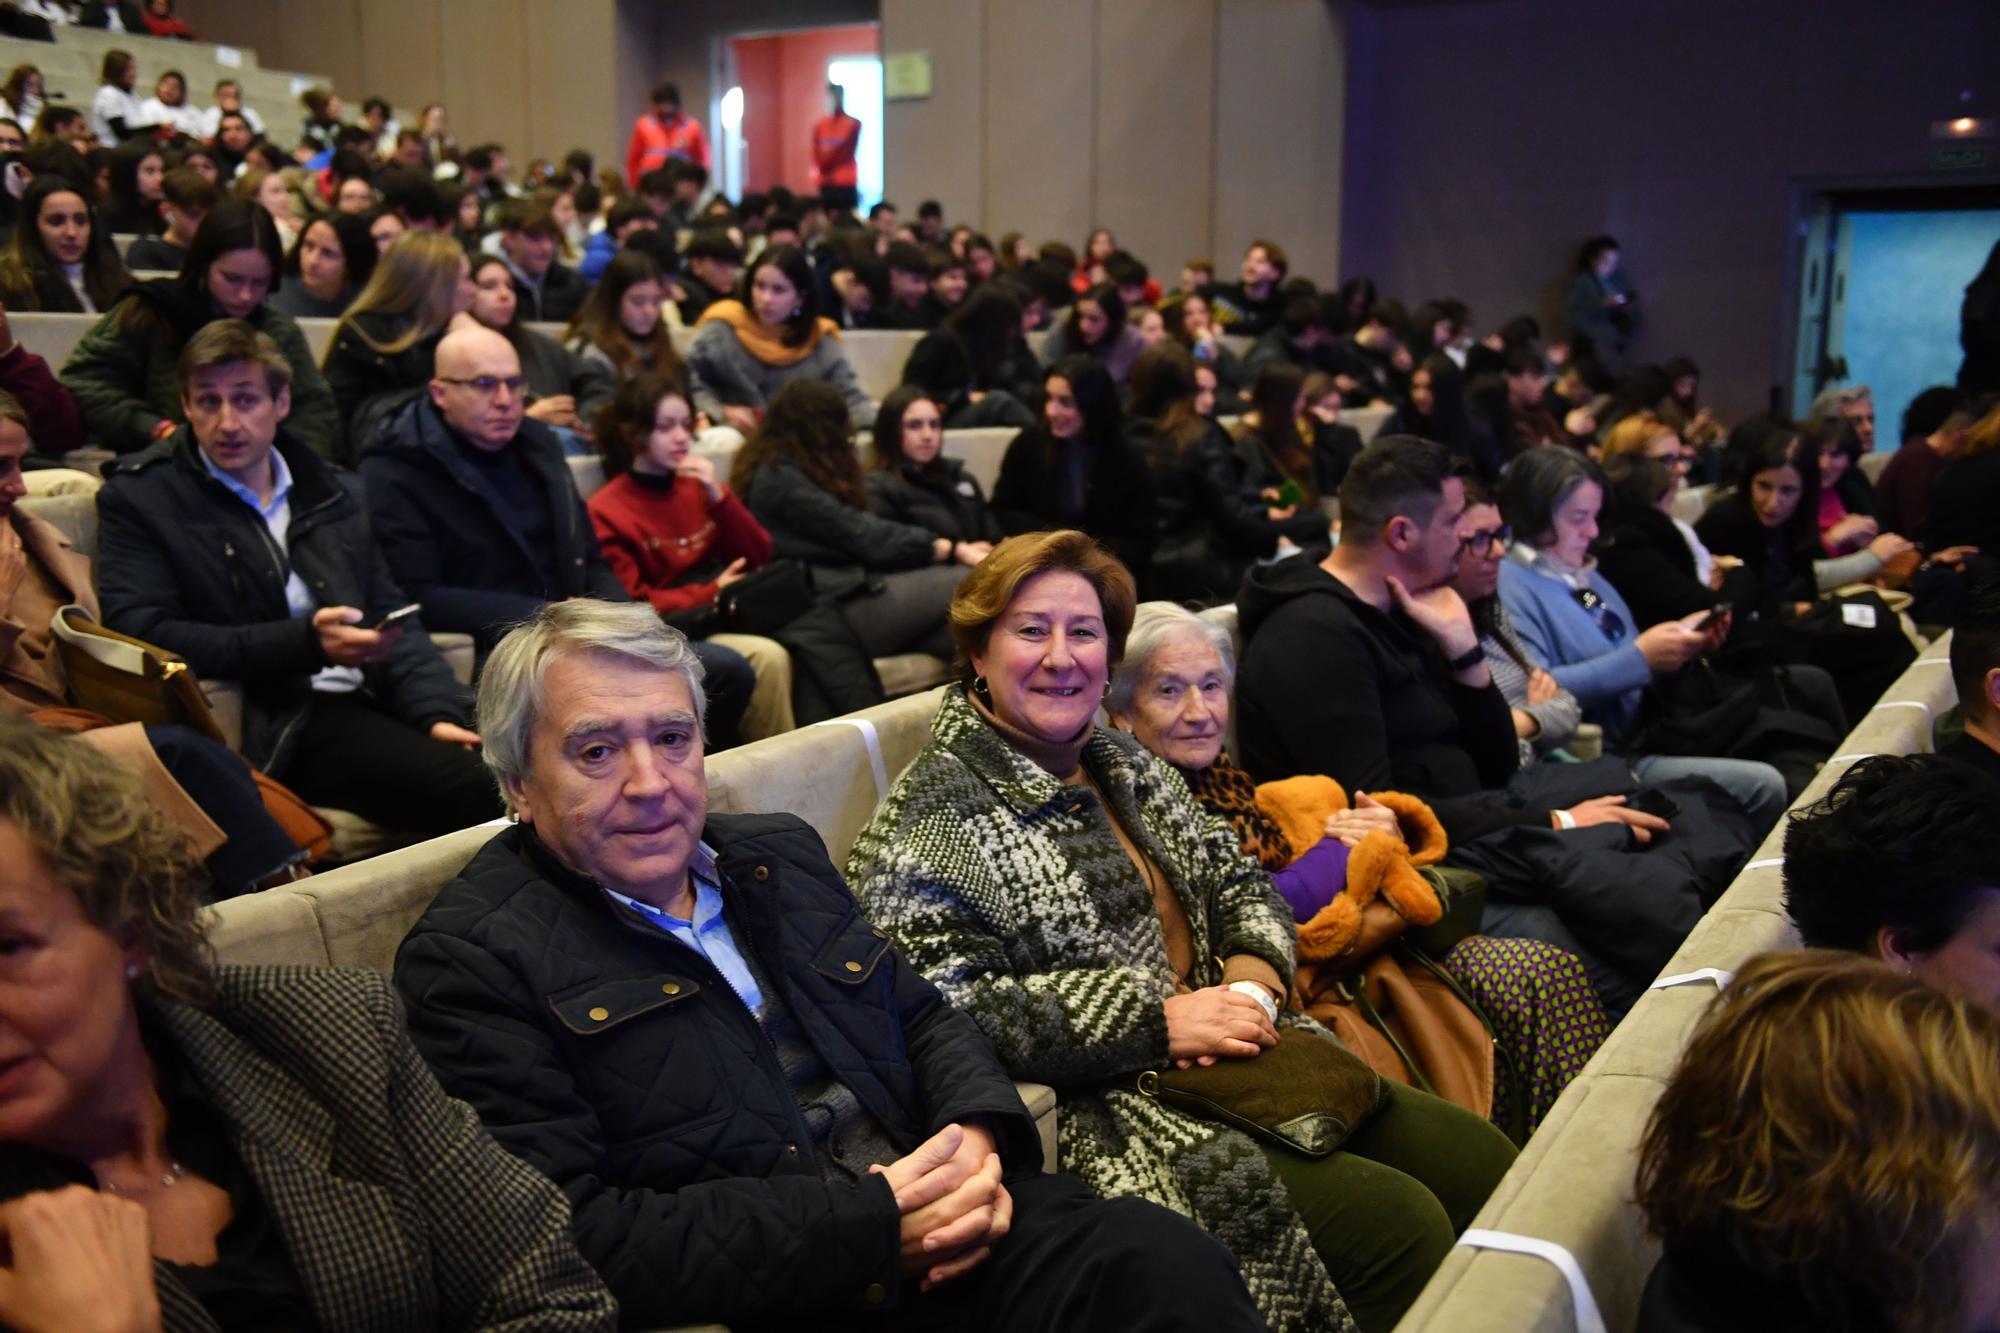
(977,364)
(182,1139)
(800,476)
(235,546)
(1173,691)
(1574,622)
(909,305)
(1252,305)
(1822,1157)
(274,194)
(711,268)
(322,107)
(331,261)
(844,1213)
(124,374)
(1435,409)
(59,259)
(185,198)
(133,204)
(620,327)
(1096,329)
(1210,527)
(384,346)
(1367,666)
(1273,453)
(565,390)
(772,334)
(229,102)
(169,106)
(1301,339)
(114,109)
(1074,468)
(1188,955)
(1187,322)
(676,535)
(21,96)
(627,218)
(546,289)
(913,481)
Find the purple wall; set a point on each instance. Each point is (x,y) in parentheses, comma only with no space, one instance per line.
(1485,139)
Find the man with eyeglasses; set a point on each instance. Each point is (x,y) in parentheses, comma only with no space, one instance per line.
(474,504)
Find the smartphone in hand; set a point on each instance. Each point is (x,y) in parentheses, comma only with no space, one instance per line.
(397,617)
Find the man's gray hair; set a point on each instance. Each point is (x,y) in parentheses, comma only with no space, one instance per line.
(1154,626)
(1834,397)
(510,688)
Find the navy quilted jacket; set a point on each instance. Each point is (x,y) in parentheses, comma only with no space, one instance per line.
(620,1063)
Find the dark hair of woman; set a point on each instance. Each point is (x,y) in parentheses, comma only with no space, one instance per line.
(1537,484)
(1588,252)
(1105,297)
(791,261)
(1637,482)
(233,224)
(1273,398)
(1762,444)
(125,208)
(357,247)
(1485,610)
(1096,395)
(1357,298)
(33,279)
(886,441)
(1839,432)
(806,425)
(1446,423)
(597,321)
(1163,391)
(624,423)
(987,323)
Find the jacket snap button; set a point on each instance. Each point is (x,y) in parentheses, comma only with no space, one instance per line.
(599,1014)
(763,872)
(879,933)
(671,988)
(792,1148)
(876,1293)
(852,967)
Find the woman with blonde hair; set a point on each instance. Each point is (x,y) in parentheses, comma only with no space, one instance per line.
(385,347)
(275,193)
(1824,1157)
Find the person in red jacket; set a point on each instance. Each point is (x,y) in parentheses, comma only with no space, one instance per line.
(835,137)
(662,134)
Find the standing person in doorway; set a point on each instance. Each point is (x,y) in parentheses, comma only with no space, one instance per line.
(664,134)
(835,137)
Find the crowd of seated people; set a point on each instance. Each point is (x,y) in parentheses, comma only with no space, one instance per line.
(1505,726)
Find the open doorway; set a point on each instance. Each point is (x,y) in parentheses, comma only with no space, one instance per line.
(1880,277)
(775,90)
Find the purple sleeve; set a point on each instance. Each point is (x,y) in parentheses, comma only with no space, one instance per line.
(1311,882)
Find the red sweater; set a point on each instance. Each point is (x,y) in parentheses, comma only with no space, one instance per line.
(653,534)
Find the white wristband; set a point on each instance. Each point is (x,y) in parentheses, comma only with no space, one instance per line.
(1564,819)
(1259,994)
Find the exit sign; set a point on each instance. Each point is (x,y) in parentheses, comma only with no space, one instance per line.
(1962,156)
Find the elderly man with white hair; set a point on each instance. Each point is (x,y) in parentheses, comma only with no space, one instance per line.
(475,508)
(760,1113)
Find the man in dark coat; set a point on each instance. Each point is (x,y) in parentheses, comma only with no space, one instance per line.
(759,1112)
(242,551)
(481,520)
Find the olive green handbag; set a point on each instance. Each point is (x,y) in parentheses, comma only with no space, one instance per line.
(1307,1093)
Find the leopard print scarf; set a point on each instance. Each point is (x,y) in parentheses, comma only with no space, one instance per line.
(1226,790)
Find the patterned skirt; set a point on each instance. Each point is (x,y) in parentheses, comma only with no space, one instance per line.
(1544,1011)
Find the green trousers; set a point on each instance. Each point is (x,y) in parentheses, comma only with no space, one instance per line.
(1385,1210)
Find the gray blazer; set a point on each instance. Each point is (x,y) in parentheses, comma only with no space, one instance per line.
(400,1212)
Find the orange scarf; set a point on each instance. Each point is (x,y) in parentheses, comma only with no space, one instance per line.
(757,337)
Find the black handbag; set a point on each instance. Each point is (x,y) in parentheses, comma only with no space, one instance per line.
(764,600)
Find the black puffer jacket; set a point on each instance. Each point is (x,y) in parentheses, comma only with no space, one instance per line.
(620,1063)
(183,563)
(450,545)
(1210,529)
(368,385)
(940,497)
(842,544)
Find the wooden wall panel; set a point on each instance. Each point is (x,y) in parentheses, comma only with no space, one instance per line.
(1155,141)
(936,147)
(1041,106)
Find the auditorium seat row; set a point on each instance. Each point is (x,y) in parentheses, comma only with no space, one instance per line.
(1572,1186)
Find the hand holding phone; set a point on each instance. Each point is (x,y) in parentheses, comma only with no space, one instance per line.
(397,617)
(1709,621)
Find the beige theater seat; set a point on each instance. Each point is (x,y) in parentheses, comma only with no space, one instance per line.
(1572,1184)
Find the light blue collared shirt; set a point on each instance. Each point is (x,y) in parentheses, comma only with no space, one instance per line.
(277,516)
(708,934)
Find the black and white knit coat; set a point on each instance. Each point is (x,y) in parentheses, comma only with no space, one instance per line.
(1011,892)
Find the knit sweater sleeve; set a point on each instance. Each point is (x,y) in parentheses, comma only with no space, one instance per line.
(1863,565)
(922,873)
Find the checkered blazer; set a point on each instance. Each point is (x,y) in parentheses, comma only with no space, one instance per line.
(399,1211)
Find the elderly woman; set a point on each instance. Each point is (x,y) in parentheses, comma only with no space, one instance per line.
(1062,887)
(191,1146)
(1824,1157)
(1173,693)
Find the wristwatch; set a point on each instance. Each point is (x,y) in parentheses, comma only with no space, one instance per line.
(1260,995)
